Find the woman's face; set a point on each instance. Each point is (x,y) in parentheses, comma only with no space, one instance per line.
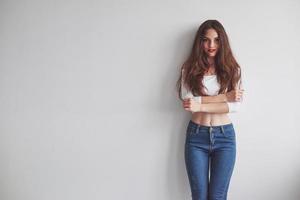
(211,42)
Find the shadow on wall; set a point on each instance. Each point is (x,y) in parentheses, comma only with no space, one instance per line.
(177,185)
(297,186)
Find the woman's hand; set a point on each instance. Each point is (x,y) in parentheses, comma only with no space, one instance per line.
(234,95)
(190,104)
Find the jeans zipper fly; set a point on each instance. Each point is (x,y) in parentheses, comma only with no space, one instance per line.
(210,138)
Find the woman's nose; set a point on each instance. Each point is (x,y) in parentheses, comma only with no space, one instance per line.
(211,44)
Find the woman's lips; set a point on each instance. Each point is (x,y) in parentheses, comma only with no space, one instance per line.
(211,50)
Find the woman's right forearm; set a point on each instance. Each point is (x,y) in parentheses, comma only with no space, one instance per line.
(214,99)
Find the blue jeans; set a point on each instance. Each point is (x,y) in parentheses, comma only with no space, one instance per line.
(209,159)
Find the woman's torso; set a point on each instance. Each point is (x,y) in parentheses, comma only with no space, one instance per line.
(211,119)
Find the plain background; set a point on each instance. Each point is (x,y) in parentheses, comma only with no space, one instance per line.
(89,110)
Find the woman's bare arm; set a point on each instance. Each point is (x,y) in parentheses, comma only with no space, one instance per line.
(231,96)
(214,108)
(193,106)
(213,99)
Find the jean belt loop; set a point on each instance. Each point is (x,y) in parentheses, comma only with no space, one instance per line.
(222,129)
(198,127)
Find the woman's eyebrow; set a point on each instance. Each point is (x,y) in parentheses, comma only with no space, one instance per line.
(209,38)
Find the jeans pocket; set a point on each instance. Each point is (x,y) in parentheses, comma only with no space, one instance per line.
(229,133)
(190,130)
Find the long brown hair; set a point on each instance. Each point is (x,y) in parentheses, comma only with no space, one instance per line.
(227,69)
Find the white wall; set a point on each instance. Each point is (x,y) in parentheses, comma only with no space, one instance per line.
(89,108)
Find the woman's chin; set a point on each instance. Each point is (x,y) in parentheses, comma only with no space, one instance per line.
(211,54)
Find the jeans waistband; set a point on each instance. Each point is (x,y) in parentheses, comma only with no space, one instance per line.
(204,127)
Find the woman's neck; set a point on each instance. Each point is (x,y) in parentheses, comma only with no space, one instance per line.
(211,67)
(211,61)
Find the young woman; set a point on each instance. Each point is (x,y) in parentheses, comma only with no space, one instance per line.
(210,88)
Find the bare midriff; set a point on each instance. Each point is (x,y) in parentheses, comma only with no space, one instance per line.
(210,119)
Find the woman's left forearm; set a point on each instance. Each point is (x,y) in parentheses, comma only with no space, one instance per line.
(214,108)
(214,99)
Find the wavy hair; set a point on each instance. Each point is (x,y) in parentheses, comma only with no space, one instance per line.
(226,67)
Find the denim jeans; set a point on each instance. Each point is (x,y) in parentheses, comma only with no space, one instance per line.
(209,154)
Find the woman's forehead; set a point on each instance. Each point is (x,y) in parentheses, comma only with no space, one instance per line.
(211,33)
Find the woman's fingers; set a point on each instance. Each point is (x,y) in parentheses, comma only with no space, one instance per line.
(235,95)
(238,94)
(187,104)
